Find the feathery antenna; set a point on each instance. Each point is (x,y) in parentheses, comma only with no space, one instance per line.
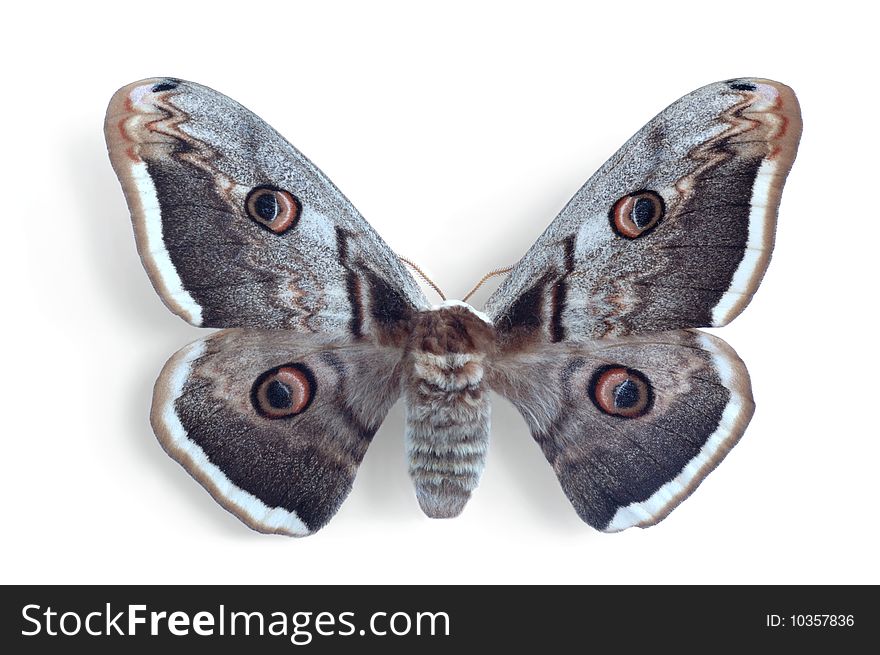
(422,275)
(487,276)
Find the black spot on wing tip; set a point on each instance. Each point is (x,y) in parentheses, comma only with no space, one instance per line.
(739,85)
(165,85)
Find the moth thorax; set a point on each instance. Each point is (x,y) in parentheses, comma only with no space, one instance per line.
(447,405)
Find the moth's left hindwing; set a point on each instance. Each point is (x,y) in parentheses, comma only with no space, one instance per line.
(274,424)
(236,228)
(631,425)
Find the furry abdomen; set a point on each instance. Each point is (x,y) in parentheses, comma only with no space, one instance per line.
(447,407)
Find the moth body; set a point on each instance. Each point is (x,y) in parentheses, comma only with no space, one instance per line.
(447,405)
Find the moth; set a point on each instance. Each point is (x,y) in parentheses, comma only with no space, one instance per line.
(591,335)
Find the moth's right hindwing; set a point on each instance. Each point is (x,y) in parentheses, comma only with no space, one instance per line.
(273,424)
(236,228)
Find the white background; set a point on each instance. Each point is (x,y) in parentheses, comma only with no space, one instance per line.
(459,132)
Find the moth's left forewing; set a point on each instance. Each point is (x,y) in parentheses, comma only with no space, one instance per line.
(631,425)
(674,231)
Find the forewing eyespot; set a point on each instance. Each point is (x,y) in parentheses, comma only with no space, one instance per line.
(275,209)
(636,214)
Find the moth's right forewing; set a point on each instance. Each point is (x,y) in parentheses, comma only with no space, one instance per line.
(236,228)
